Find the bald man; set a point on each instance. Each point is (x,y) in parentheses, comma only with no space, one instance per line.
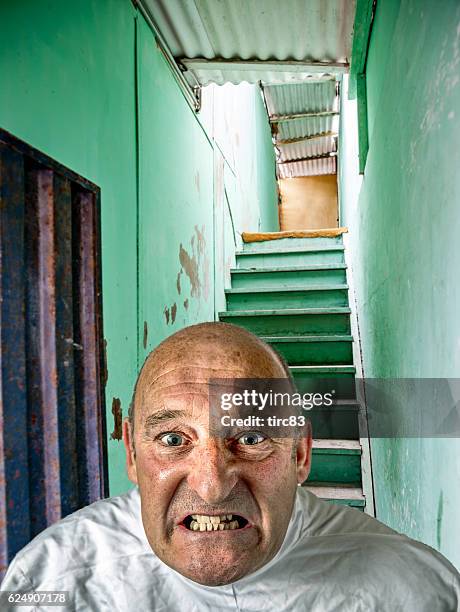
(219,522)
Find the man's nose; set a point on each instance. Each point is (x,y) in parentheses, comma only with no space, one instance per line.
(212,472)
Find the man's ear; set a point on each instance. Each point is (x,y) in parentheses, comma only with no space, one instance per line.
(130,452)
(304,446)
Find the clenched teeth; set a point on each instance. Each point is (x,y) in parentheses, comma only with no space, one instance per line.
(215,520)
(207,522)
(213,526)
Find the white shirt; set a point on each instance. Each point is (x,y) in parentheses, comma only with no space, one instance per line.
(333,559)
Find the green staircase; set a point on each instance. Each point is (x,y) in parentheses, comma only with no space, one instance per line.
(293,293)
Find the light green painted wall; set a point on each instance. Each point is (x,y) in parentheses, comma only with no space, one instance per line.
(176,252)
(405,226)
(236,119)
(68,88)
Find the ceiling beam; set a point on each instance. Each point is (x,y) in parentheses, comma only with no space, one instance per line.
(308,79)
(306,138)
(292,66)
(293,116)
(306,159)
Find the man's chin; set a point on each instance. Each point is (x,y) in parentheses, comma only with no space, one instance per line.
(215,558)
(215,565)
(214,574)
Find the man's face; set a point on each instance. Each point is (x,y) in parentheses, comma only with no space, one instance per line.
(213,509)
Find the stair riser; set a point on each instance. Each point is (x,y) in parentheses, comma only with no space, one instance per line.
(335,467)
(334,425)
(291,243)
(275,260)
(342,385)
(344,502)
(288,325)
(315,353)
(302,278)
(289,299)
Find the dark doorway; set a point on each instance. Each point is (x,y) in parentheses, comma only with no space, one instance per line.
(52,442)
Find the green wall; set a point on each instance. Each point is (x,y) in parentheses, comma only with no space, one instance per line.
(235,118)
(68,89)
(405,225)
(69,74)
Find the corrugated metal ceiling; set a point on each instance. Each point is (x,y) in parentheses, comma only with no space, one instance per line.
(319,133)
(305,127)
(204,73)
(303,44)
(309,148)
(298,98)
(311,31)
(312,167)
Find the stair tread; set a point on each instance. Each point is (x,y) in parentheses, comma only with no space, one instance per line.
(329,266)
(285,311)
(346,403)
(308,338)
(332,287)
(337,407)
(324,368)
(335,491)
(313,249)
(348,447)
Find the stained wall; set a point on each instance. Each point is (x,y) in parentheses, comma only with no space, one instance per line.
(404,222)
(86,83)
(308,202)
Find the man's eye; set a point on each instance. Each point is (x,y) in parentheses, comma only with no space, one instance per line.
(251,438)
(172,439)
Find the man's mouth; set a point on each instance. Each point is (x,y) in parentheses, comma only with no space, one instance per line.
(206,522)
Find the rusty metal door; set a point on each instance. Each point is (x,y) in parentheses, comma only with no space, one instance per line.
(52,415)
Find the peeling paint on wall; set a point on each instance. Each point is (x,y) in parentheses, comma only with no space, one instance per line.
(166,313)
(178,281)
(186,304)
(206,279)
(190,268)
(200,240)
(439,519)
(117,419)
(146,332)
(173,312)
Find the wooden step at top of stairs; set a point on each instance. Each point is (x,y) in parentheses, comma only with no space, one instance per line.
(329,232)
(281,269)
(285,311)
(336,447)
(339,493)
(335,287)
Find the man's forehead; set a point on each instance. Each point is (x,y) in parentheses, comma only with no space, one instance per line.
(202,362)
(184,388)
(186,404)
(183,366)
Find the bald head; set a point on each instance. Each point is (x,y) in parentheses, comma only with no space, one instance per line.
(211,350)
(187,459)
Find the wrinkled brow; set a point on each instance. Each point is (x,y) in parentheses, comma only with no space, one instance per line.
(163,415)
